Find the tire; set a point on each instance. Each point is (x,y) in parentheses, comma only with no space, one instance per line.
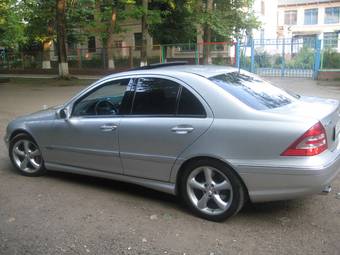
(214,198)
(26,156)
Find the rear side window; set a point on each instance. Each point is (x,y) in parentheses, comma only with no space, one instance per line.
(189,105)
(253,91)
(155,96)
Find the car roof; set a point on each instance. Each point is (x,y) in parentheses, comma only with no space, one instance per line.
(201,70)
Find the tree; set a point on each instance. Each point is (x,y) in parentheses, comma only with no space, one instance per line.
(144,49)
(40,17)
(11,24)
(176,24)
(226,18)
(61,38)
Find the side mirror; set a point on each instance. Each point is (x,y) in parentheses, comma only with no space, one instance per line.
(63,113)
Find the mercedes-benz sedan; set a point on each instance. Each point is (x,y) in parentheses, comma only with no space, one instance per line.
(215,136)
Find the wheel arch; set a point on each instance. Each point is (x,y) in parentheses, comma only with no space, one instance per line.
(193,159)
(18,132)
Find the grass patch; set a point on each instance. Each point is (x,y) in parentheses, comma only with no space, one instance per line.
(54,82)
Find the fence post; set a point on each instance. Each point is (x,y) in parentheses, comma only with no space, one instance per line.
(252,57)
(237,54)
(283,58)
(317,59)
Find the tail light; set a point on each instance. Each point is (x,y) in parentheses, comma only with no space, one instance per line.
(311,143)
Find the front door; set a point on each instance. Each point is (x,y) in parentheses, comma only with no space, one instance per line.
(89,138)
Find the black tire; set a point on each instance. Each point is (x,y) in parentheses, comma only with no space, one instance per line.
(20,137)
(238,190)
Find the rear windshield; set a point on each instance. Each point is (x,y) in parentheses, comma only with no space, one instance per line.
(252,91)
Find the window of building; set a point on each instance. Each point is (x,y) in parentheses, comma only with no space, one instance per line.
(262,8)
(332,15)
(155,43)
(155,96)
(290,17)
(119,44)
(330,40)
(91,44)
(262,37)
(138,40)
(309,41)
(311,16)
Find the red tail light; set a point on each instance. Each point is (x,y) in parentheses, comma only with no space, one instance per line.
(311,143)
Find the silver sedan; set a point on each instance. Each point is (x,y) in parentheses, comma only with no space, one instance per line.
(215,136)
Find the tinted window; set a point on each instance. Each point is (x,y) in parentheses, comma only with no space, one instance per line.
(189,104)
(253,91)
(155,96)
(112,98)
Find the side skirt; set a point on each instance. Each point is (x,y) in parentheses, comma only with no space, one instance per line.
(165,187)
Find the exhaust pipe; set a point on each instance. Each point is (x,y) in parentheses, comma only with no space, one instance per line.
(326,190)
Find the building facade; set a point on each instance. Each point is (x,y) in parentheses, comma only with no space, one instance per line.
(307,20)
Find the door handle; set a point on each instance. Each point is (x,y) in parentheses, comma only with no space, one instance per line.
(185,129)
(108,127)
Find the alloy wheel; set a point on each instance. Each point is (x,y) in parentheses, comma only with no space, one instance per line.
(209,190)
(27,156)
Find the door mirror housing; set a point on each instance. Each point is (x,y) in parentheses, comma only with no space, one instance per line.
(64,113)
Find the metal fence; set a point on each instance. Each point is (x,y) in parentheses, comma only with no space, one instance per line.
(294,57)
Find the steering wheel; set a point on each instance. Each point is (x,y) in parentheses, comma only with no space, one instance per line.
(105,107)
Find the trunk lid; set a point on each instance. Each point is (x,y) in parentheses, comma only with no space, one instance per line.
(326,111)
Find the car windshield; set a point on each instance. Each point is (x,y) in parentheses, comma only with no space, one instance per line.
(253,91)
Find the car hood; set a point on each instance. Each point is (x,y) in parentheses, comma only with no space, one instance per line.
(46,114)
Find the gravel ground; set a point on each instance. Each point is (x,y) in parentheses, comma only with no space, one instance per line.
(68,214)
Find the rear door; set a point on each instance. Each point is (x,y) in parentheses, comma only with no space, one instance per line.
(166,118)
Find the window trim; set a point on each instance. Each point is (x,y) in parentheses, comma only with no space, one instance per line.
(96,85)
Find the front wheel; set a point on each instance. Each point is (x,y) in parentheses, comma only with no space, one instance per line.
(212,190)
(26,156)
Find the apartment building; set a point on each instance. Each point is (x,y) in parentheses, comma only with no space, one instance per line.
(309,19)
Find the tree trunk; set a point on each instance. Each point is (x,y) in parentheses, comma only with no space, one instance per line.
(144,52)
(109,42)
(207,37)
(61,38)
(46,54)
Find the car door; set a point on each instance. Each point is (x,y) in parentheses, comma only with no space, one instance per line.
(165,119)
(89,137)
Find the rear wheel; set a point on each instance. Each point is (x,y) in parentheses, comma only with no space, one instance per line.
(212,190)
(26,155)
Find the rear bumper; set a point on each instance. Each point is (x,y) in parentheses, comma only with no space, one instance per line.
(268,183)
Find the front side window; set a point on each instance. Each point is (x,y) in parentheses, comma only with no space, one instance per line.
(332,15)
(252,91)
(311,16)
(290,17)
(113,98)
(155,96)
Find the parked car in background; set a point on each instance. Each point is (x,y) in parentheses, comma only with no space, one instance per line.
(213,135)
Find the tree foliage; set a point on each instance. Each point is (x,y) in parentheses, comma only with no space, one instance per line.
(12,27)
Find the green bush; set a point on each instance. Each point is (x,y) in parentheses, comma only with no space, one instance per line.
(262,59)
(331,58)
(304,59)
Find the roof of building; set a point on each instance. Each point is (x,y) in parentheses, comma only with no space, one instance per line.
(303,2)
